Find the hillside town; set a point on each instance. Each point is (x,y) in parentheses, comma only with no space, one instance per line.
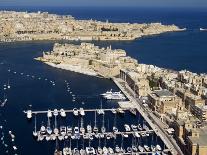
(24,26)
(177,98)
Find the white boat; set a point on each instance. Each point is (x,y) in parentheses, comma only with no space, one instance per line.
(140,127)
(113,111)
(153,148)
(105,150)
(48,137)
(8,85)
(99,150)
(127,127)
(69,130)
(75,111)
(4,102)
(42,129)
(136,134)
(120,110)
(63,130)
(111,151)
(76,151)
(49,130)
(95,128)
(125,135)
(89,128)
(129,149)
(202,29)
(35,134)
(82,129)
(100,111)
(82,112)
(117,149)
(55,112)
(109,95)
(82,152)
(67,151)
(76,130)
(115,130)
(158,148)
(29,114)
(49,113)
(62,113)
(140,148)
(134,127)
(146,147)
(134,148)
(90,150)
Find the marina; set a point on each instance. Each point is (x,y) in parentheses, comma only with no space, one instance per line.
(85,133)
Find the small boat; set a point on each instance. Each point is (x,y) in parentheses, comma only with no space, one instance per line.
(95,128)
(134,148)
(82,112)
(111,151)
(69,130)
(120,110)
(105,150)
(125,135)
(55,112)
(134,127)
(133,111)
(202,29)
(42,129)
(140,148)
(127,127)
(29,114)
(90,150)
(35,134)
(117,149)
(115,129)
(66,151)
(158,148)
(113,111)
(75,111)
(140,127)
(49,113)
(129,149)
(82,152)
(63,130)
(136,134)
(48,137)
(99,150)
(100,111)
(146,147)
(76,130)
(82,129)
(76,151)
(49,130)
(89,128)
(153,148)
(62,113)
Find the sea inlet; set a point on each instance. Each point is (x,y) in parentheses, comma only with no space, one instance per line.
(36,86)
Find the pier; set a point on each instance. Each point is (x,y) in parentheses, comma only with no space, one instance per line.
(148,116)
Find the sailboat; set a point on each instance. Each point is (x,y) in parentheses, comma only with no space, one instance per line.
(35,128)
(95,129)
(56,131)
(8,85)
(115,130)
(4,102)
(82,129)
(49,130)
(103,129)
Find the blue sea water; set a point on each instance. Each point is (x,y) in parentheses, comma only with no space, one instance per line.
(180,50)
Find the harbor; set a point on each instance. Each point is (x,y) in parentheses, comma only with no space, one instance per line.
(110,137)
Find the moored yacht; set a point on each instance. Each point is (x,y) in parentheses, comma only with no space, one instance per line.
(62,113)
(82,112)
(75,111)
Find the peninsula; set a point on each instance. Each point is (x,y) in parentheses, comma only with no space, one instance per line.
(24,26)
(170,98)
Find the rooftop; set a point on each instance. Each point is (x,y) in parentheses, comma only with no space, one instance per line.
(163,93)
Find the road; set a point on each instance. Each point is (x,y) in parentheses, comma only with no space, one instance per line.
(155,123)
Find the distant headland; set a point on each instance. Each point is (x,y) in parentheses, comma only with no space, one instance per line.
(24,26)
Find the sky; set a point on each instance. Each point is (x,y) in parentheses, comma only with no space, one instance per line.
(136,3)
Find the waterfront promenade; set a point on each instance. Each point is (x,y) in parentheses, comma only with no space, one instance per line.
(155,123)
